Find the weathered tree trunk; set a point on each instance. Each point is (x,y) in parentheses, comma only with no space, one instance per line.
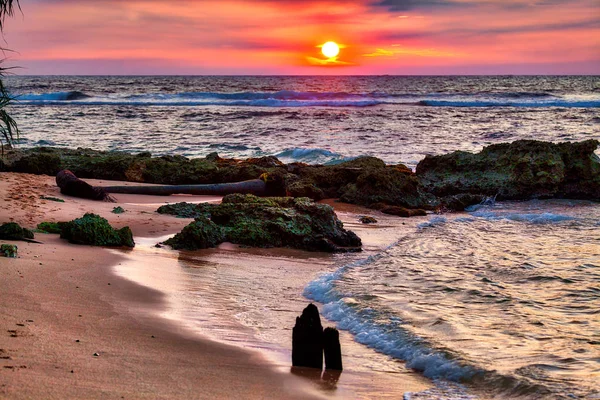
(255,186)
(307,339)
(71,185)
(332,349)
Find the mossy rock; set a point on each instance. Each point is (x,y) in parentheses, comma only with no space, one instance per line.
(187,210)
(91,229)
(282,222)
(389,186)
(13,231)
(9,250)
(118,210)
(200,234)
(521,170)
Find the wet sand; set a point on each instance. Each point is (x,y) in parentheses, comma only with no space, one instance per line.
(64,303)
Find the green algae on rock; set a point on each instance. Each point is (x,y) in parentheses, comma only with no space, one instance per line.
(200,234)
(187,210)
(278,222)
(521,170)
(94,230)
(9,250)
(50,227)
(13,231)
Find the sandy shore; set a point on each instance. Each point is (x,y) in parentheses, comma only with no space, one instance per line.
(63,303)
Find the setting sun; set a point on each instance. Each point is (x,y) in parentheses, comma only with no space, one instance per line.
(330,49)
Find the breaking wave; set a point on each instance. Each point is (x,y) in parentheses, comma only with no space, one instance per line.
(289,98)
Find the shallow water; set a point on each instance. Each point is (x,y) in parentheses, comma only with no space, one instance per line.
(505,298)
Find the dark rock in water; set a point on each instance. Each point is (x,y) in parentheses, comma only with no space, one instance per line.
(200,234)
(118,210)
(521,170)
(282,222)
(70,185)
(307,339)
(390,186)
(403,212)
(187,210)
(13,231)
(9,250)
(365,219)
(94,230)
(332,349)
(50,227)
(76,95)
(461,201)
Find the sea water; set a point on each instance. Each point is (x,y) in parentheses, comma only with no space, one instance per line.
(503,298)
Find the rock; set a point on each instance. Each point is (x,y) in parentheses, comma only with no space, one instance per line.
(187,210)
(200,234)
(461,201)
(332,349)
(9,250)
(13,231)
(91,229)
(390,186)
(282,222)
(118,210)
(50,227)
(403,212)
(365,219)
(521,170)
(305,188)
(307,339)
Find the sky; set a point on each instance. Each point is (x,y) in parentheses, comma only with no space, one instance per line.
(229,37)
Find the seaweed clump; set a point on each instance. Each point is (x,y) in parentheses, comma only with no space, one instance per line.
(94,230)
(14,231)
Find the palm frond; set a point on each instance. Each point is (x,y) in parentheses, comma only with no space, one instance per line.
(7,8)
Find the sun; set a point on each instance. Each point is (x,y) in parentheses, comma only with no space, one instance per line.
(330,49)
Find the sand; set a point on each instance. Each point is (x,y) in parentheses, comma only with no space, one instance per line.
(72,327)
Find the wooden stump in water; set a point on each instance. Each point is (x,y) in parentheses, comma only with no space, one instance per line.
(332,349)
(307,339)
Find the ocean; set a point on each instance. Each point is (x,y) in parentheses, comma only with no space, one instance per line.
(502,299)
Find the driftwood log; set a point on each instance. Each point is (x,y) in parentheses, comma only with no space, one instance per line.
(257,187)
(70,185)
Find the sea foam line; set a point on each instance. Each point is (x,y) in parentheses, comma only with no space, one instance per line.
(388,338)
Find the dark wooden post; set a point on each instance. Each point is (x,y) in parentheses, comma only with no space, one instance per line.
(332,348)
(307,339)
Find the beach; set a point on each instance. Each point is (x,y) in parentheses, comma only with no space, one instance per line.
(64,303)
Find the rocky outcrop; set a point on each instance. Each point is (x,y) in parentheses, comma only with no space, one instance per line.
(521,170)
(94,230)
(275,222)
(390,186)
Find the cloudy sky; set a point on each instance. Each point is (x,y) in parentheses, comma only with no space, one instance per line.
(282,36)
